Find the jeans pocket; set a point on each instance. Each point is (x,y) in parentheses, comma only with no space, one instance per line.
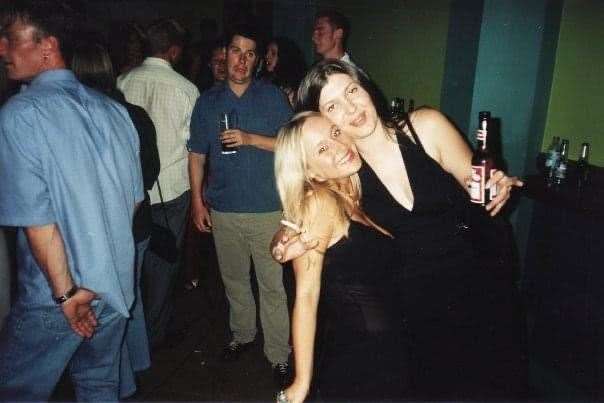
(54,321)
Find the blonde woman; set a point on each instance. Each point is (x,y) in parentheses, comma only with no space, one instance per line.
(350,271)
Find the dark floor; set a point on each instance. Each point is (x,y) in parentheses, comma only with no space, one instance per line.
(190,369)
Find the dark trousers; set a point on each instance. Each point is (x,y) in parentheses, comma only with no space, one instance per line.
(466,334)
(159,277)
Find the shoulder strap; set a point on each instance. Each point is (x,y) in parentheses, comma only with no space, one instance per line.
(414,133)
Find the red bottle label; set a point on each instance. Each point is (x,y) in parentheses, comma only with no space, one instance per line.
(492,189)
(477,184)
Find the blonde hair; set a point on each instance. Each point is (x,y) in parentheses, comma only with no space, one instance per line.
(296,187)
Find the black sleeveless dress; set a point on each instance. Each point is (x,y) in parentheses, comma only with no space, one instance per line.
(361,348)
(460,303)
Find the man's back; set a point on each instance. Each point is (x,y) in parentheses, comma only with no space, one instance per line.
(169,99)
(81,172)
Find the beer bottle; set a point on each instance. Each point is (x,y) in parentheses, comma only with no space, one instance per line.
(551,159)
(483,163)
(583,166)
(397,109)
(562,166)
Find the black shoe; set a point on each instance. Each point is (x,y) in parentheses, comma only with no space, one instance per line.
(281,374)
(234,349)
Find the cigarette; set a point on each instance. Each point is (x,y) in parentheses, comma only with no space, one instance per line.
(291,225)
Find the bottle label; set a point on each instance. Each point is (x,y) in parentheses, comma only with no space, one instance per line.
(477,184)
(493,188)
(552,159)
(561,170)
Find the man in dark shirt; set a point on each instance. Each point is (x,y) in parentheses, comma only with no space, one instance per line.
(244,208)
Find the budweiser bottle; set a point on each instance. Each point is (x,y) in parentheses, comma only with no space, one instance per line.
(483,163)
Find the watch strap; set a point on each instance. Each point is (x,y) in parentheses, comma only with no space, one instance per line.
(68,294)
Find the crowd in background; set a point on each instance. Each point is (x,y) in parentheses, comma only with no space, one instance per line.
(157,73)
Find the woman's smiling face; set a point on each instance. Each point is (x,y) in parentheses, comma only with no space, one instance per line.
(330,154)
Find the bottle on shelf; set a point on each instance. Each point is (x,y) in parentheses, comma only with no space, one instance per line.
(561,168)
(552,155)
(483,164)
(397,108)
(583,166)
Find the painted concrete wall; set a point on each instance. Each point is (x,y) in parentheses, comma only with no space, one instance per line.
(577,95)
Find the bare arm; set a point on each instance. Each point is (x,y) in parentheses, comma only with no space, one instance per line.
(199,212)
(48,248)
(237,137)
(445,145)
(307,269)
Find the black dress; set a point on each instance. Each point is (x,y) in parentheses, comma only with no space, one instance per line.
(361,348)
(460,303)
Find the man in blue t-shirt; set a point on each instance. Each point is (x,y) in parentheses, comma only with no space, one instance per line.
(243,208)
(71,180)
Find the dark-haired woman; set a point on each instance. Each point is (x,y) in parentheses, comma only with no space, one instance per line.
(459,305)
(284,65)
(93,67)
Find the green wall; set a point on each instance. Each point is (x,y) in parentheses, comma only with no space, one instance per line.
(577,95)
(400,44)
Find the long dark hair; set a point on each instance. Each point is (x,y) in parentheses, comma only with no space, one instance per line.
(92,66)
(291,65)
(309,91)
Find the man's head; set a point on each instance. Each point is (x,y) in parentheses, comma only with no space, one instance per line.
(243,53)
(36,36)
(217,61)
(166,39)
(330,33)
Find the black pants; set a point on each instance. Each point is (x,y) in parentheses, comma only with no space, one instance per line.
(466,334)
(159,277)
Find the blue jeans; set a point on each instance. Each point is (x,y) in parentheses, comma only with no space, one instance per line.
(37,344)
(135,349)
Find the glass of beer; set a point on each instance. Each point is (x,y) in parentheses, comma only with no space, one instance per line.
(227,121)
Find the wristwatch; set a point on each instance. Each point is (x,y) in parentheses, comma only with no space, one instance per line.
(62,298)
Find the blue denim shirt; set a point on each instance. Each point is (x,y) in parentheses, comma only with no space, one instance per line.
(69,155)
(243,182)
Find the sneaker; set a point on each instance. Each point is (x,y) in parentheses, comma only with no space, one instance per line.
(234,349)
(281,374)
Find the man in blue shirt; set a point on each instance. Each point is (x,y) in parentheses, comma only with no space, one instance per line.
(71,180)
(243,206)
